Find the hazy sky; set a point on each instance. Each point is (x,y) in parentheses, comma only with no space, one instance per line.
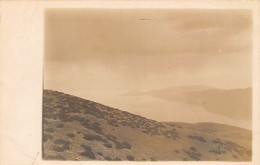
(136,49)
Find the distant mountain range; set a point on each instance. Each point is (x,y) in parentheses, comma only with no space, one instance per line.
(233,103)
(79,129)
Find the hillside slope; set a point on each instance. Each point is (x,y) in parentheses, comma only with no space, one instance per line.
(78,129)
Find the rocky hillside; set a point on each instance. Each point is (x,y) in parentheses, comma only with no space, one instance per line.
(79,129)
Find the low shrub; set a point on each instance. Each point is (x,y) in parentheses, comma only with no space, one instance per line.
(100,153)
(111,138)
(71,135)
(117,159)
(119,145)
(59,148)
(199,138)
(90,137)
(55,157)
(107,158)
(108,145)
(45,121)
(193,155)
(60,141)
(92,126)
(46,137)
(88,154)
(61,145)
(77,118)
(152,159)
(60,125)
(192,148)
(49,130)
(126,145)
(130,157)
(216,152)
(217,141)
(86,147)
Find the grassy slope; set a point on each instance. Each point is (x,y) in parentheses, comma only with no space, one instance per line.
(78,129)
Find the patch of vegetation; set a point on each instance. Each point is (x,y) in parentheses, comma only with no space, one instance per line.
(177,151)
(113,122)
(55,157)
(90,137)
(171,134)
(145,131)
(119,145)
(71,135)
(152,159)
(65,118)
(108,145)
(130,157)
(60,125)
(193,155)
(61,145)
(46,137)
(86,147)
(234,156)
(111,138)
(92,126)
(51,130)
(199,138)
(88,152)
(122,145)
(193,149)
(100,153)
(75,111)
(93,110)
(217,151)
(108,158)
(78,118)
(45,121)
(126,145)
(218,141)
(230,146)
(60,141)
(117,159)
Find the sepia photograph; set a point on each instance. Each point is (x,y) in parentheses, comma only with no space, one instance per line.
(147,84)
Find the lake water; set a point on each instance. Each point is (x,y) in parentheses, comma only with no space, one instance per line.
(162,110)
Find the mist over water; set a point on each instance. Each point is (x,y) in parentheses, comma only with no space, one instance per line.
(161,110)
